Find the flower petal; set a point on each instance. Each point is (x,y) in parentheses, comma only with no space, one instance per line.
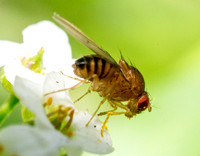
(30,141)
(15,68)
(8,51)
(55,81)
(89,138)
(31,96)
(54,41)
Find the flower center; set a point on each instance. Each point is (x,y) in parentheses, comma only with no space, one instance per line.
(60,116)
(34,63)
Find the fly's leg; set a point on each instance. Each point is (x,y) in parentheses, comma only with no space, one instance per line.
(105,98)
(89,90)
(74,87)
(74,78)
(65,89)
(108,116)
(94,86)
(106,112)
(119,104)
(114,104)
(128,113)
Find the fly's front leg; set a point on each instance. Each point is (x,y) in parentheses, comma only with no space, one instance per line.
(74,87)
(128,112)
(108,116)
(65,89)
(77,79)
(114,104)
(106,112)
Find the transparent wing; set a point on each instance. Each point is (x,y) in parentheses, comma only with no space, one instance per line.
(83,38)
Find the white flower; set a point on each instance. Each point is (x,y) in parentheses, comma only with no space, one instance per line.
(46,137)
(46,35)
(42,138)
(23,140)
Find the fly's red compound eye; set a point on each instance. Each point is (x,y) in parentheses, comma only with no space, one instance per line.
(143,102)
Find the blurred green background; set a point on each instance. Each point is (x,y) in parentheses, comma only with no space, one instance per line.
(160,37)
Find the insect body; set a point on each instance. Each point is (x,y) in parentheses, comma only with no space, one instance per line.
(116,82)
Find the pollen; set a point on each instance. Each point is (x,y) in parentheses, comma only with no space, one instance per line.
(49,101)
(69,133)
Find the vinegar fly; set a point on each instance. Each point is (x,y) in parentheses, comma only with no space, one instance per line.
(115,82)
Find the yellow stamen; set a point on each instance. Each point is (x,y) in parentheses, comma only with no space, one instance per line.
(69,134)
(49,101)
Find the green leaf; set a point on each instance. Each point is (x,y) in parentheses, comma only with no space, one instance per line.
(6,84)
(27,115)
(63,152)
(7,107)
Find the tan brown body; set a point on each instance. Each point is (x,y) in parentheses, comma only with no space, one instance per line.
(118,82)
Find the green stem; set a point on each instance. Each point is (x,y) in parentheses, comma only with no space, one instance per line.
(7,107)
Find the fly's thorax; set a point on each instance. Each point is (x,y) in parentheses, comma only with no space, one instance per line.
(133,76)
(88,66)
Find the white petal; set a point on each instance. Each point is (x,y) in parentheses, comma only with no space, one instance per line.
(54,41)
(54,82)
(30,141)
(8,51)
(14,68)
(30,95)
(89,138)
(70,82)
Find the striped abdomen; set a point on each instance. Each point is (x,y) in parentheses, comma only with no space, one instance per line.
(87,66)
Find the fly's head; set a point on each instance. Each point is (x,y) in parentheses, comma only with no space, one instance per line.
(143,103)
(137,105)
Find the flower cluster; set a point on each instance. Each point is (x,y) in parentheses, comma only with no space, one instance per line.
(53,123)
